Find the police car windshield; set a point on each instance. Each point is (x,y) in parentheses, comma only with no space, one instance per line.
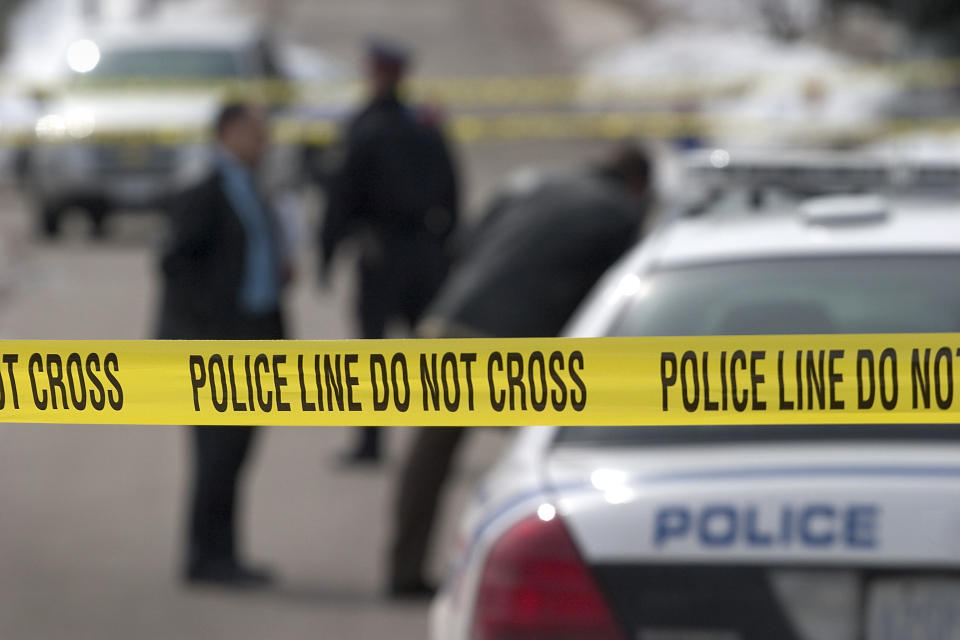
(857,294)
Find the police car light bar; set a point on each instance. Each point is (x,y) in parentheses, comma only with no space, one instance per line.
(821,171)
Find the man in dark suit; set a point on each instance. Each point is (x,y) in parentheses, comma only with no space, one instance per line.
(542,245)
(223,271)
(396,189)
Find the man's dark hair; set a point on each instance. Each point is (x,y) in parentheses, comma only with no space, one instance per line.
(629,161)
(228,114)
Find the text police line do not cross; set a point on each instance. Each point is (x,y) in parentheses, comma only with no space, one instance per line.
(446,381)
(799,379)
(805,379)
(61,382)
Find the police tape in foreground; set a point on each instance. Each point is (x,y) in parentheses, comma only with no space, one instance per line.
(906,378)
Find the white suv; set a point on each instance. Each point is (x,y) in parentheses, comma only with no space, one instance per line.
(130,123)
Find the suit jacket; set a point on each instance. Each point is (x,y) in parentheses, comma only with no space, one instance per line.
(203,266)
(535,256)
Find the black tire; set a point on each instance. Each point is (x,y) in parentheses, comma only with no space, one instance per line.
(50,221)
(98,222)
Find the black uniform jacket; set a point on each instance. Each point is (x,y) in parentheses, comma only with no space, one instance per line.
(397,180)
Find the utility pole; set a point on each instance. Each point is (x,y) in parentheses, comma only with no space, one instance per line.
(7,8)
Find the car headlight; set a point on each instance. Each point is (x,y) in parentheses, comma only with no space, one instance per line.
(51,127)
(60,149)
(75,124)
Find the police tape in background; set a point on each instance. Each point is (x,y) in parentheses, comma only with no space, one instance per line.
(468,128)
(896,378)
(530,90)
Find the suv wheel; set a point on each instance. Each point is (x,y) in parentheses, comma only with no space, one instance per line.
(98,221)
(50,220)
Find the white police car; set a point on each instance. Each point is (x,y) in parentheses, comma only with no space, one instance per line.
(750,532)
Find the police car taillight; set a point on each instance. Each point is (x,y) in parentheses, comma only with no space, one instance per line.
(535,586)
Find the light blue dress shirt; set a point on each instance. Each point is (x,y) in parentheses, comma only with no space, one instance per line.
(260,290)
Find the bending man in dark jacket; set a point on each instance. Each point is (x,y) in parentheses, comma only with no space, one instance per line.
(397,190)
(223,271)
(539,250)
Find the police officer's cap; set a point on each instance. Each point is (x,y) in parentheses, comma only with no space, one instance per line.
(389,52)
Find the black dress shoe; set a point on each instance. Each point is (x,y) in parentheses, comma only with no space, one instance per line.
(230,576)
(419,590)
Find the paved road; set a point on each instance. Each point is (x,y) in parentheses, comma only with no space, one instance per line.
(90,516)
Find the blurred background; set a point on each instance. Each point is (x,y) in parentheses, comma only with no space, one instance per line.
(105,111)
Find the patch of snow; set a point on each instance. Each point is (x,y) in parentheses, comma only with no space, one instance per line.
(790,89)
(704,52)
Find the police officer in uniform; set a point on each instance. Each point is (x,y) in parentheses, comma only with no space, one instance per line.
(396,192)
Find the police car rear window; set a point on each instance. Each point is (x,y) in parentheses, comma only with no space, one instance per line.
(725,434)
(849,294)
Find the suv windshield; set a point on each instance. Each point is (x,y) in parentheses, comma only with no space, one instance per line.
(859,294)
(166,63)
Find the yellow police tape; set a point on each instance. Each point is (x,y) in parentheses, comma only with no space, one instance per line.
(534,90)
(537,107)
(549,126)
(876,378)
